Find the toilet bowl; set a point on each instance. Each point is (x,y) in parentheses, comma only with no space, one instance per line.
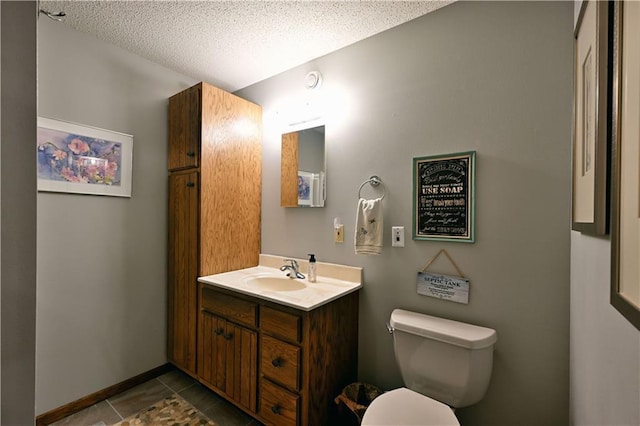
(443,363)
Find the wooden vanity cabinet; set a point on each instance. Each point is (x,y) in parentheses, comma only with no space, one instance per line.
(290,364)
(215,181)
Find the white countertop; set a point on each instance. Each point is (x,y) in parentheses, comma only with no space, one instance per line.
(303,294)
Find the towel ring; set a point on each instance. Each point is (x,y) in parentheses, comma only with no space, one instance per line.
(373,181)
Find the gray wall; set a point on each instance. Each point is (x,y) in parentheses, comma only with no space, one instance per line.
(605,347)
(18,217)
(102,260)
(491,77)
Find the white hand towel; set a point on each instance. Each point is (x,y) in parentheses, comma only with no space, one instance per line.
(369,227)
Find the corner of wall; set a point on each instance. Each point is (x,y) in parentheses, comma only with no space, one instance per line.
(18,219)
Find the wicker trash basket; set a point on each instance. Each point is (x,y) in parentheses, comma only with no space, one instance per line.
(355,398)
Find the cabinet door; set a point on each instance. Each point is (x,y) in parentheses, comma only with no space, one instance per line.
(183,269)
(212,350)
(185,128)
(242,365)
(227,359)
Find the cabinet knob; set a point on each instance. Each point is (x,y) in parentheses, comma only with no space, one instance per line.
(190,184)
(228,336)
(191,154)
(219,331)
(276,409)
(276,362)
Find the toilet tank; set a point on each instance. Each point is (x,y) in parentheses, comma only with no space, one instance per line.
(446,360)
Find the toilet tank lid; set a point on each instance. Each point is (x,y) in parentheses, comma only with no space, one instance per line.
(444,330)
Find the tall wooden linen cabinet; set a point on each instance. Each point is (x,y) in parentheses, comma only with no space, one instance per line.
(215,169)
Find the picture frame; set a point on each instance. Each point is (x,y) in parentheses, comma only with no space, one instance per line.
(589,213)
(79,159)
(305,188)
(625,185)
(444,197)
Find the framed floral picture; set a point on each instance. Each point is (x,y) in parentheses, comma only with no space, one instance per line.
(80,159)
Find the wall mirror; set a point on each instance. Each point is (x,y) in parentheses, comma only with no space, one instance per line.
(302,170)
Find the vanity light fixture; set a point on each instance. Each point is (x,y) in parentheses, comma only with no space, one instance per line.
(313,80)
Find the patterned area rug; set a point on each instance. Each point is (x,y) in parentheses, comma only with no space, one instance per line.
(168,412)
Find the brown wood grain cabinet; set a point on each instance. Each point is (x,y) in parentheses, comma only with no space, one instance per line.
(226,359)
(185,128)
(183,269)
(288,365)
(228,346)
(215,168)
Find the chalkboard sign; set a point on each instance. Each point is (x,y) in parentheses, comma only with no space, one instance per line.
(444,198)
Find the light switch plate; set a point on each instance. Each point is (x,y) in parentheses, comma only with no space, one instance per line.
(397,236)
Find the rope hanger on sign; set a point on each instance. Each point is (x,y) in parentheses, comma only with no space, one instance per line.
(430,261)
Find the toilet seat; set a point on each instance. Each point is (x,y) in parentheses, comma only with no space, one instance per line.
(403,406)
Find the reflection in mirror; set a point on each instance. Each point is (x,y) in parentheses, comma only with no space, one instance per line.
(303,168)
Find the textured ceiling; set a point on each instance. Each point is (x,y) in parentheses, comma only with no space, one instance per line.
(234,44)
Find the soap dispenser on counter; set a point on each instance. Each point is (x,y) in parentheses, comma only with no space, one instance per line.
(312,268)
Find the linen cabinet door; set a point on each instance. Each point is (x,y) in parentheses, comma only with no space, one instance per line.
(185,118)
(183,270)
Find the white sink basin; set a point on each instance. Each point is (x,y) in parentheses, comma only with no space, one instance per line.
(272,283)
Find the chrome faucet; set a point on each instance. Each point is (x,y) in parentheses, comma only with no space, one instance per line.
(292,267)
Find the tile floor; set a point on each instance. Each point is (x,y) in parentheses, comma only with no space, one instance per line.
(121,406)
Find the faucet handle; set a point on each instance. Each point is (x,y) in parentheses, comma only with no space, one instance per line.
(294,263)
(293,267)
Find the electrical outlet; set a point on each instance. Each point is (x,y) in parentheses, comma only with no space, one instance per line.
(338,234)
(397,236)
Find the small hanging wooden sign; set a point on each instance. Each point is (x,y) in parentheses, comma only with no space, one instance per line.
(446,287)
(440,286)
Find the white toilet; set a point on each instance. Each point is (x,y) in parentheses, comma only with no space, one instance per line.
(444,364)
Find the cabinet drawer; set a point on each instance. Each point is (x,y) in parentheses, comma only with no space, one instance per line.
(232,308)
(280,362)
(280,323)
(278,406)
